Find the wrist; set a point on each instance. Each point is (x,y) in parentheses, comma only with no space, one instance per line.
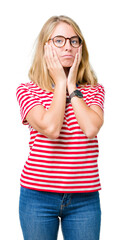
(75,93)
(71,88)
(60,83)
(60,86)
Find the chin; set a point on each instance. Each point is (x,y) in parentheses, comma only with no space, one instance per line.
(67,64)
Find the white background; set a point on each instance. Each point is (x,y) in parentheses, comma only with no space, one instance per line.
(20,24)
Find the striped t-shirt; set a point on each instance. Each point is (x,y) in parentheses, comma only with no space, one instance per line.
(68,164)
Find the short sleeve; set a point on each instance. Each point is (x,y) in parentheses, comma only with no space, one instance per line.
(26,101)
(98,96)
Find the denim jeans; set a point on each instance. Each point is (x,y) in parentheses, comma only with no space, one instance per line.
(40,212)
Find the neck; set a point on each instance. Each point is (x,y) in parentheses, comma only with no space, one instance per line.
(66,70)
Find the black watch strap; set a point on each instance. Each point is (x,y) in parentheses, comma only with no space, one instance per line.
(76,93)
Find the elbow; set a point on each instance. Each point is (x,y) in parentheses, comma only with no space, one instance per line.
(91,135)
(52,133)
(92,132)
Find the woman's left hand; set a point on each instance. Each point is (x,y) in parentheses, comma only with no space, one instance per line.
(71,80)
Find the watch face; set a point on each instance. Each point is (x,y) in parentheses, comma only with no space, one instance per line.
(78,94)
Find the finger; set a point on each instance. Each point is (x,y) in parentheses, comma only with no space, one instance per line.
(49,52)
(75,63)
(56,60)
(45,53)
(80,54)
(48,55)
(54,52)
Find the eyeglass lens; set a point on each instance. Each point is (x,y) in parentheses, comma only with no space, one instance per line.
(60,41)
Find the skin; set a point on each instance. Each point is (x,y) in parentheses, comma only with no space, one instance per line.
(68,56)
(62,64)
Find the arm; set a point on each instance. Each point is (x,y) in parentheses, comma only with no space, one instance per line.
(49,122)
(90,119)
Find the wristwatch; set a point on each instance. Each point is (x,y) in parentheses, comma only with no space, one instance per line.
(76,93)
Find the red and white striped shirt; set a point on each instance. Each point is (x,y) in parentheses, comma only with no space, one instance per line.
(67,164)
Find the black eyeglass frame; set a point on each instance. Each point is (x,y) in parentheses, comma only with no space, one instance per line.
(80,40)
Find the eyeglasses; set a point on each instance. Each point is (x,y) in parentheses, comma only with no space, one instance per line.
(60,41)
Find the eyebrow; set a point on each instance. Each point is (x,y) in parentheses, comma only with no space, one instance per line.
(64,36)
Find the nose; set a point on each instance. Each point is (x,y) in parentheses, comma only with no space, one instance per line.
(68,45)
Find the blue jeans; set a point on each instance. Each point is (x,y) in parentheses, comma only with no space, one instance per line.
(41,212)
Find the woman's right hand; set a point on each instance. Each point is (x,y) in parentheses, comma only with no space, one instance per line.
(54,66)
(49,121)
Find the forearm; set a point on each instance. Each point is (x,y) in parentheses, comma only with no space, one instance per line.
(88,119)
(54,116)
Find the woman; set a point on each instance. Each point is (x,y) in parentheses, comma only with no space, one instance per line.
(63,107)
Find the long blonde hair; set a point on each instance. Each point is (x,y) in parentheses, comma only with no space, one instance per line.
(38,72)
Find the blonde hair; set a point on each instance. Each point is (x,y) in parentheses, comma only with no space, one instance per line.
(38,72)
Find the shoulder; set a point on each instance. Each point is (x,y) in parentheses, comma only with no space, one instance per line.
(99,87)
(29,90)
(28,87)
(93,89)
(22,86)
